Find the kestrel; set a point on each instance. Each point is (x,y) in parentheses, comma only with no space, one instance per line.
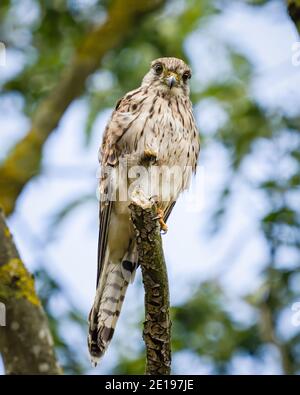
(152,124)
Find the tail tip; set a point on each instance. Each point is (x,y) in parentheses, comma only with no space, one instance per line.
(94,361)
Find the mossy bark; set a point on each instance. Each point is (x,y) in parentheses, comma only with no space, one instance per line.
(294,12)
(157,325)
(26,343)
(24,160)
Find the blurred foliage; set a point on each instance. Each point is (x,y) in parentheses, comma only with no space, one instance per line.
(204,324)
(211,331)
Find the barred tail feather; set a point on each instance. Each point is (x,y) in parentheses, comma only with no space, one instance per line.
(106,310)
(107,306)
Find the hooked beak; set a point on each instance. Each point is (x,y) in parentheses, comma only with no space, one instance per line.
(171,81)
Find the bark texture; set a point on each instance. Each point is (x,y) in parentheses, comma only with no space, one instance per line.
(157,325)
(26,343)
(23,162)
(268,334)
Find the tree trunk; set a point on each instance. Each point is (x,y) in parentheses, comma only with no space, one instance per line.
(157,325)
(26,343)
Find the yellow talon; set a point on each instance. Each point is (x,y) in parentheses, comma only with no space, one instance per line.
(160,216)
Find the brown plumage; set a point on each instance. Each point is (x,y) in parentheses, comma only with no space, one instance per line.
(156,118)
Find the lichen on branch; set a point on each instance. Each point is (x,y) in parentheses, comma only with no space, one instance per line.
(26,344)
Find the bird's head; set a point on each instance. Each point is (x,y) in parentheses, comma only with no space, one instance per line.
(170,75)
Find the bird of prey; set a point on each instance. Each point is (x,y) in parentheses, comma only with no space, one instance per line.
(154,122)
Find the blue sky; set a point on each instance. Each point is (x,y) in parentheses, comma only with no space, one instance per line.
(265,35)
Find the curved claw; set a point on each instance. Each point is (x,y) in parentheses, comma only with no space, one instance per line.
(164,228)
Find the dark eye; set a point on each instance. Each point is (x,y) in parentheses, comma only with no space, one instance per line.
(186,76)
(158,68)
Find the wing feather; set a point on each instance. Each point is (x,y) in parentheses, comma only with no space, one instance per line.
(109,157)
(168,210)
(104,214)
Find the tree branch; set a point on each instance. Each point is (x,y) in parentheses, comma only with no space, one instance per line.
(157,325)
(294,12)
(269,336)
(23,162)
(26,343)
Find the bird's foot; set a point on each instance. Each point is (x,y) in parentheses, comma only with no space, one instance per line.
(160,216)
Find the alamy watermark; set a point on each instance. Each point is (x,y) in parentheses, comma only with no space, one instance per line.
(2,55)
(296,54)
(2,314)
(164,183)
